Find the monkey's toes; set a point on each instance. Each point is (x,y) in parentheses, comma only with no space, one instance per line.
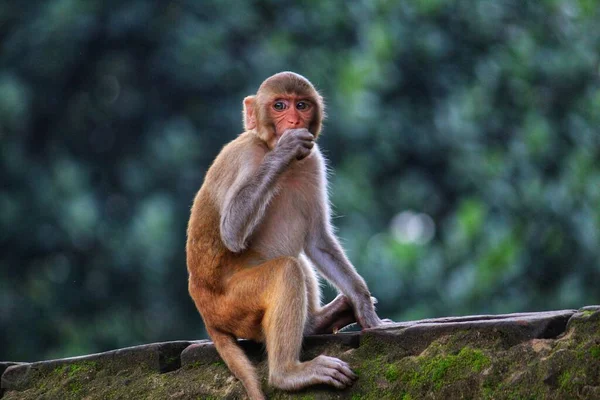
(337,372)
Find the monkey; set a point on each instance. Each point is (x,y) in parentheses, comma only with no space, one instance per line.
(259,226)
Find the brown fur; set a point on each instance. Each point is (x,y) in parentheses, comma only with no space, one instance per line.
(258,225)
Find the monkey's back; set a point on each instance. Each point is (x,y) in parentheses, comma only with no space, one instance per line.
(204,249)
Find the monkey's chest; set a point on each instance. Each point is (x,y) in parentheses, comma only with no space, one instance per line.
(287,221)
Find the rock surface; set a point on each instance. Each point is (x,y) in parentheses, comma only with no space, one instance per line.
(545,355)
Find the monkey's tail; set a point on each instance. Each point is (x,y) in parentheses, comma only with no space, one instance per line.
(238,362)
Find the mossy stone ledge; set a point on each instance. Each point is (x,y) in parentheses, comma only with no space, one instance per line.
(539,355)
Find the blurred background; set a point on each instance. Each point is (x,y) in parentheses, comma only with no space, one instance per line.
(464,139)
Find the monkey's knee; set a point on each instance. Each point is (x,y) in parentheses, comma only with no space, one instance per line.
(292,271)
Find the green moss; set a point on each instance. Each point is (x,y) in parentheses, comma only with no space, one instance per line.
(565,381)
(391,373)
(595,351)
(74,369)
(378,379)
(437,369)
(370,345)
(448,368)
(487,393)
(75,387)
(61,370)
(474,358)
(83,367)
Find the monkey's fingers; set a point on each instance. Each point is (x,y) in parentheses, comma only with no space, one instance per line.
(297,131)
(339,365)
(302,134)
(304,150)
(340,378)
(309,144)
(345,369)
(302,154)
(332,371)
(330,380)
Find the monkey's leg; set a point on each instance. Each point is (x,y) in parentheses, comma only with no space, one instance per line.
(329,318)
(235,312)
(313,293)
(283,325)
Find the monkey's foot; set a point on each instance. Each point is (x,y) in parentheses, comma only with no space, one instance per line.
(334,316)
(321,370)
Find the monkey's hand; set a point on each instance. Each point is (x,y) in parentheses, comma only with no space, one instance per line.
(367,318)
(295,144)
(366,315)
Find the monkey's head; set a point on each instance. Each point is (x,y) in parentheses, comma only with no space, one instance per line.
(284,101)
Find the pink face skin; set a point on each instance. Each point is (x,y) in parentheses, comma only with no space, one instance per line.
(291,112)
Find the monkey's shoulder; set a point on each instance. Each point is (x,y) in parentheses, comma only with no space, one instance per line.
(239,155)
(246,145)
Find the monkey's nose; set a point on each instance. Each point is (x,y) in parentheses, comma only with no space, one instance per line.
(293,117)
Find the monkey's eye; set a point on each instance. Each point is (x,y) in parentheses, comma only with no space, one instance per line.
(279,106)
(302,105)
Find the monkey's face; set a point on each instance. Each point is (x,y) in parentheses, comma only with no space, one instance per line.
(291,112)
(284,101)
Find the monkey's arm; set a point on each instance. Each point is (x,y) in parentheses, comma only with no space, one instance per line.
(253,189)
(247,199)
(326,253)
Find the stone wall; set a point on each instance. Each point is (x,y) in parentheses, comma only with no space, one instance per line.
(545,355)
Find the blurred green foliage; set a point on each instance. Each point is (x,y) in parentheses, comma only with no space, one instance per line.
(464,138)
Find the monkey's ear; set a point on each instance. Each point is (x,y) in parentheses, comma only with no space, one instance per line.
(249,113)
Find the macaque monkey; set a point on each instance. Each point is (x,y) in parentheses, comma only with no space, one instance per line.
(258,225)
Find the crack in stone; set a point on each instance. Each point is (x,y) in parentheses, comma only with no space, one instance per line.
(556,327)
